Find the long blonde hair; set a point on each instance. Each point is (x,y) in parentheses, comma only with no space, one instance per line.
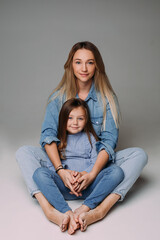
(69,87)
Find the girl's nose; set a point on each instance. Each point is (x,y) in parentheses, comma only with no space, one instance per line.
(75,121)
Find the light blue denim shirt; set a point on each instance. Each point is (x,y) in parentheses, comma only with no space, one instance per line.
(80,155)
(108,137)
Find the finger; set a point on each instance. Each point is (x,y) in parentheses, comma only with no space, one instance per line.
(72,190)
(76,177)
(75,173)
(74,180)
(80,179)
(82,187)
(77,187)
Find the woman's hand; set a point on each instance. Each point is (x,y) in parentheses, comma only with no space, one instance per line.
(68,180)
(85,180)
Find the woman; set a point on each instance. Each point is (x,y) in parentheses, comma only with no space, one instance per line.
(84,78)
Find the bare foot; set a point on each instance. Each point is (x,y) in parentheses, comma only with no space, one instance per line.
(78,211)
(83,221)
(73,225)
(61,219)
(64,223)
(87,218)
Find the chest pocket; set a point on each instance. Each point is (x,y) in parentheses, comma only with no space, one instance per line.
(97,123)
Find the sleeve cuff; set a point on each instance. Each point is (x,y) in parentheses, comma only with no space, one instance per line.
(101,145)
(49,140)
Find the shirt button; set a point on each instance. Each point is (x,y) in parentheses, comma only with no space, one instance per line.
(97,122)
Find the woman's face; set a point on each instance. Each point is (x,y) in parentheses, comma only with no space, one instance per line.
(83,65)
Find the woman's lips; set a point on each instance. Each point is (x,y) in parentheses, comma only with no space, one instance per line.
(84,75)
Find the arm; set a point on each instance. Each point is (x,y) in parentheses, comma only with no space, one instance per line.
(108,135)
(105,146)
(87,178)
(50,123)
(64,174)
(98,162)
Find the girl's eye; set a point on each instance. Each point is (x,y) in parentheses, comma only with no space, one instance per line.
(90,63)
(69,117)
(80,118)
(77,62)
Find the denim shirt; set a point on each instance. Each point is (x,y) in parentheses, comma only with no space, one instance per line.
(80,155)
(108,137)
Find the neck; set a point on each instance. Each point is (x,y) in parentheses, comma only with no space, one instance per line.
(84,89)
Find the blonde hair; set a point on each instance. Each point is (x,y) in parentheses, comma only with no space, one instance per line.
(69,88)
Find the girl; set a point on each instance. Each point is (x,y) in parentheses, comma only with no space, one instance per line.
(77,149)
(84,78)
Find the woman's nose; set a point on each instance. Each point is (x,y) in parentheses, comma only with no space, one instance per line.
(84,67)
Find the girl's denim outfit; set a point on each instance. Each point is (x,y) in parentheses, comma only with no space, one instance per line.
(131,160)
(80,156)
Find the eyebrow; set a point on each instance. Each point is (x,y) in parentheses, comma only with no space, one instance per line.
(87,59)
(83,115)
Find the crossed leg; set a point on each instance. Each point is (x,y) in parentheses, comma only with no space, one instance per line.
(63,220)
(87,218)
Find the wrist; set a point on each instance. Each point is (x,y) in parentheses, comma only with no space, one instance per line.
(93,174)
(83,172)
(60,172)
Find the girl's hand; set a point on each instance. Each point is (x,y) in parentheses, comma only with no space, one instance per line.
(85,180)
(68,180)
(77,175)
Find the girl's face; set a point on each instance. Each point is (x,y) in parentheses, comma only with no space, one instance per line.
(76,120)
(84,65)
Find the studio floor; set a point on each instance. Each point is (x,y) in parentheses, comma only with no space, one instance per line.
(137,218)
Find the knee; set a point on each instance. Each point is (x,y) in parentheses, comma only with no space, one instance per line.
(119,173)
(20,154)
(141,156)
(40,174)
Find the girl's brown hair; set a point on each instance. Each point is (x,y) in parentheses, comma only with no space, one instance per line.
(67,107)
(68,85)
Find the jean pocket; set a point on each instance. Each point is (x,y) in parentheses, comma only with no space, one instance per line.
(97,124)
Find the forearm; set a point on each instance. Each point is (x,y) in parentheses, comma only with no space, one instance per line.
(64,174)
(101,161)
(53,154)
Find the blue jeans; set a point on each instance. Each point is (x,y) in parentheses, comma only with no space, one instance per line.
(56,193)
(131,160)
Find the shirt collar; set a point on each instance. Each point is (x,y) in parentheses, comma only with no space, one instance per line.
(92,93)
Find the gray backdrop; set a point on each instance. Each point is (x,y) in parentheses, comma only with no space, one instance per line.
(35,39)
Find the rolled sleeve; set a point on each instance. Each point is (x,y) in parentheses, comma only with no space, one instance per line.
(49,140)
(108,136)
(50,124)
(101,145)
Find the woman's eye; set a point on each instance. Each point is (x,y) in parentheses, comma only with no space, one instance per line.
(77,62)
(90,63)
(69,117)
(80,119)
